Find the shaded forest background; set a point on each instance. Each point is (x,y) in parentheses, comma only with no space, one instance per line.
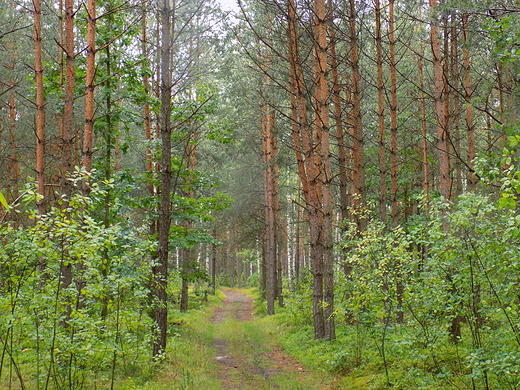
(357,161)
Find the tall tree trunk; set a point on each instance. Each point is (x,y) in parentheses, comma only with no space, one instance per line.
(67,130)
(267,123)
(90,71)
(338,119)
(381,114)
(308,170)
(455,105)
(150,164)
(468,92)
(424,126)
(187,255)
(393,115)
(160,270)
(281,248)
(393,153)
(323,141)
(40,107)
(147,118)
(13,161)
(440,108)
(298,244)
(358,158)
(68,108)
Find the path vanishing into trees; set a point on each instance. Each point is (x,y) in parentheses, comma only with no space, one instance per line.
(246,354)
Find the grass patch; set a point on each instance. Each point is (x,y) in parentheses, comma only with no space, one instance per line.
(189,362)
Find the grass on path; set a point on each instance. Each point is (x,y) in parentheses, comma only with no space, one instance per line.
(190,360)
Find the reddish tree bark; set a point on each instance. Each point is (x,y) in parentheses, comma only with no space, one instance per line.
(68,108)
(40,107)
(381,114)
(67,130)
(308,170)
(440,108)
(455,108)
(338,119)
(90,71)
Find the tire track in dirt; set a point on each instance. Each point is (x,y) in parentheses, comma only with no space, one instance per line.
(259,368)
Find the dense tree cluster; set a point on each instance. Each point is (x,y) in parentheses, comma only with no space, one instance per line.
(370,147)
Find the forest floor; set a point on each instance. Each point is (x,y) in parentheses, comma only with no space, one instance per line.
(247,354)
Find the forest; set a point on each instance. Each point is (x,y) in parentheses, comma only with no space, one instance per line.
(352,164)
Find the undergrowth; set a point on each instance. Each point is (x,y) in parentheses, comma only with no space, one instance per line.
(189,359)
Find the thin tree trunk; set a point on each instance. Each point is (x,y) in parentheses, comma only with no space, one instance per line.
(13,161)
(298,251)
(424,127)
(468,92)
(67,135)
(147,119)
(440,109)
(40,107)
(338,119)
(187,255)
(279,231)
(393,116)
(393,153)
(267,119)
(68,108)
(160,270)
(381,115)
(455,105)
(358,163)
(90,71)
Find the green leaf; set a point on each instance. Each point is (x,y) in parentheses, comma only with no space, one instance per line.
(3,201)
(508,202)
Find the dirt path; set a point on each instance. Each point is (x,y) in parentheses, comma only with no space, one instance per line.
(243,364)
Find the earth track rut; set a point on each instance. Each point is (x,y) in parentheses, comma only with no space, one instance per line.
(259,367)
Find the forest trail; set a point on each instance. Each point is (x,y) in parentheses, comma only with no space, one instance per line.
(248,359)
